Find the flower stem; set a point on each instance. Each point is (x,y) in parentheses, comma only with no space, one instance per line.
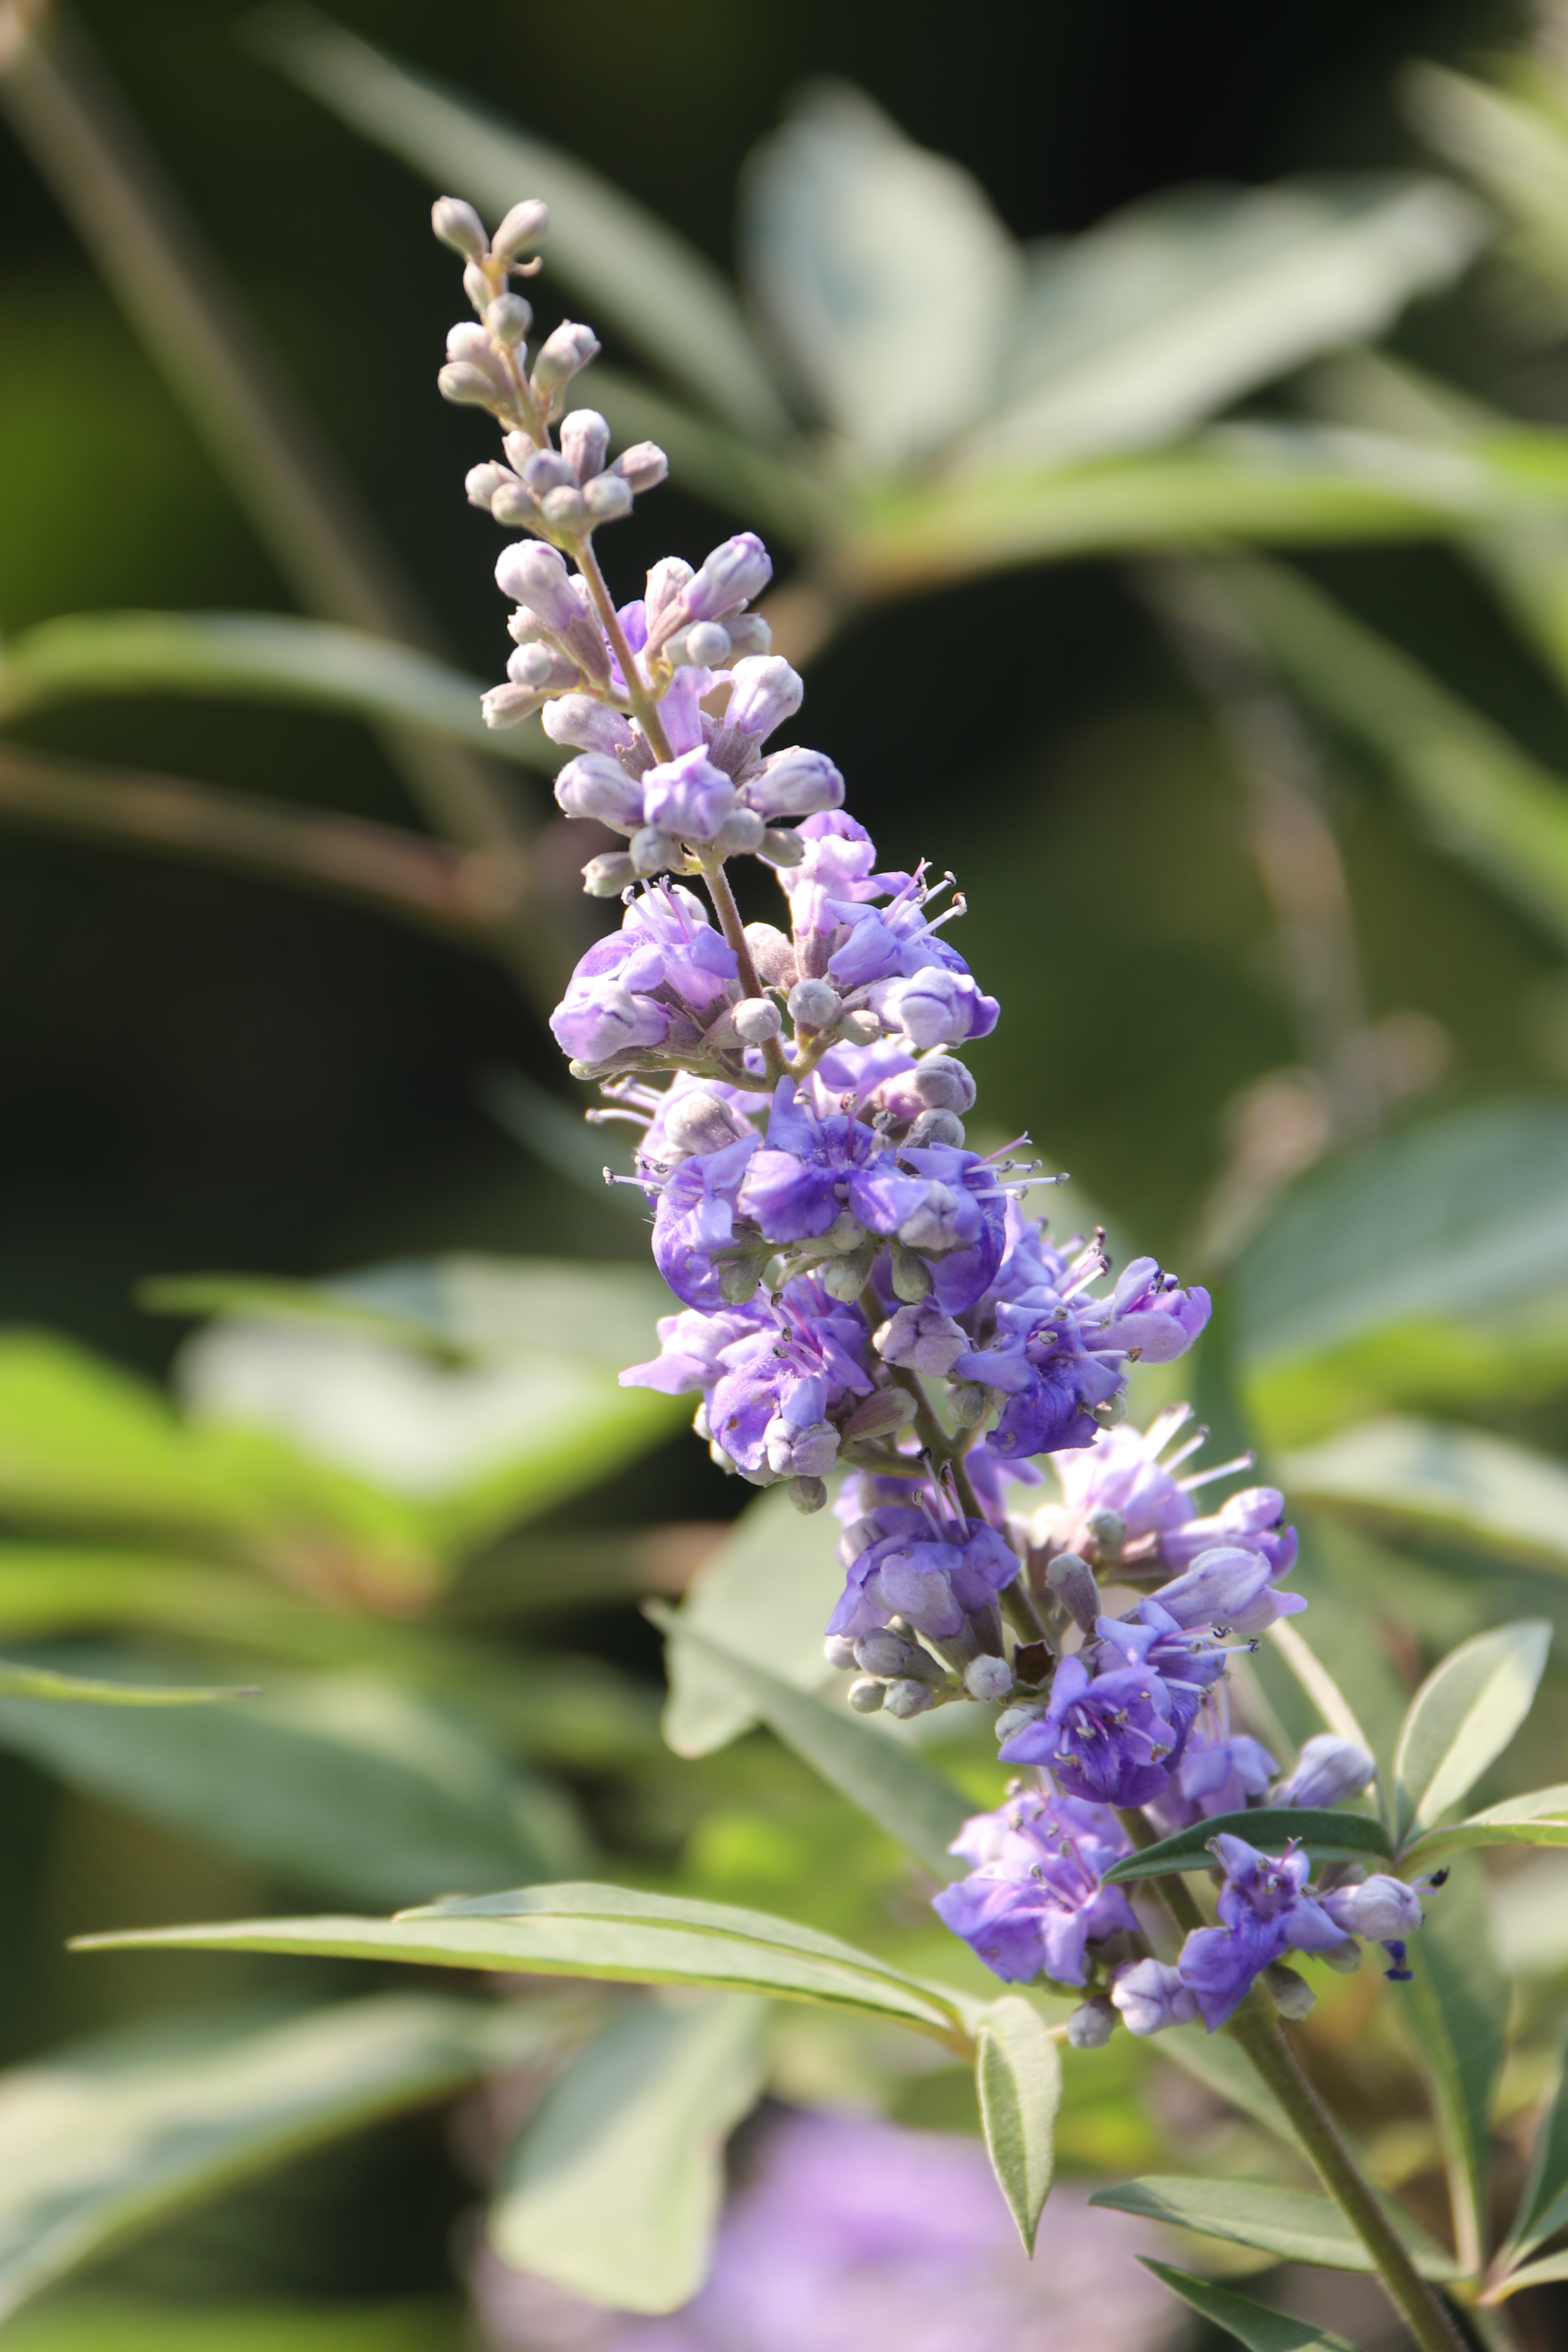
(1273,2057)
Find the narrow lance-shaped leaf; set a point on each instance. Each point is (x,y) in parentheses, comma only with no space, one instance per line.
(107,2138)
(263,657)
(1252,2323)
(614,2188)
(1459,1483)
(899,1793)
(1327,1837)
(612,1949)
(1543,2206)
(1463,1717)
(1457,2012)
(1539,1819)
(1019,2075)
(41,1682)
(1292,2223)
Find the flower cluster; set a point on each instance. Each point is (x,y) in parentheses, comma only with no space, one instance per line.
(860,1290)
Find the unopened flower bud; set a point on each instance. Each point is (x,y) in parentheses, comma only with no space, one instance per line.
(922,1338)
(748,634)
(477,286)
(969,1402)
(467,386)
(936,1127)
(642,468)
(522,228)
(482,482)
(942,1084)
(796,782)
(665,587)
(543,667)
(730,576)
(740,1281)
(766,692)
(987,1678)
(740,835)
(1292,1994)
(905,1700)
(1014,1718)
(564,355)
(1092,2023)
(807,1494)
(599,787)
(707,647)
(607,499)
(1328,1770)
(1381,1906)
(515,505)
(509,318)
(506,706)
(1073,1582)
(772,952)
(881,1413)
(756,1018)
(782,847)
(813,1004)
(859,1028)
(886,1653)
(839,1652)
(1344,1958)
(1106,1530)
(607,876)
(653,852)
(844,1278)
(584,442)
(533,574)
(867,1695)
(912,1276)
(587,724)
(547,469)
(700,1122)
(1113,1412)
(457,224)
(564,510)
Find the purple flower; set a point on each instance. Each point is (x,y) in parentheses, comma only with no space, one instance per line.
(1216,1774)
(600,1017)
(935,1007)
(766,691)
(811,1168)
(1150,1312)
(665,963)
(689,797)
(780,1382)
(796,782)
(1152,1996)
(920,1565)
(1108,1737)
(1264,1911)
(692,1345)
(1121,1472)
(1035,1900)
(1227,1588)
(730,576)
(1051,1383)
(1250,1520)
(599,787)
(1328,1770)
(1380,1907)
(695,1220)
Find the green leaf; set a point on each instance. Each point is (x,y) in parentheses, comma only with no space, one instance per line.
(1326,1836)
(1019,2075)
(572,1943)
(261,656)
(1448,1482)
(342,1782)
(641,277)
(1293,2223)
(1516,151)
(42,1682)
(1252,2323)
(1171,309)
(1543,2203)
(106,2323)
(892,1786)
(1463,1717)
(767,1591)
(844,225)
(1541,2273)
(1457,2015)
(614,2188)
(107,2138)
(1216,2062)
(1539,1819)
(1431,1265)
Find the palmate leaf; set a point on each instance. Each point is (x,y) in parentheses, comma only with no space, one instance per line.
(1457,2009)
(1462,1718)
(1018,2076)
(105,2140)
(604,1932)
(1294,2224)
(614,2188)
(260,657)
(1460,1483)
(1326,1836)
(638,276)
(1252,2323)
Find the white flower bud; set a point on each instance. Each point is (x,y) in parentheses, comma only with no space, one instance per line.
(607,876)
(772,952)
(987,1678)
(970,1404)
(905,1700)
(813,1004)
(881,1413)
(706,644)
(838,1653)
(860,1027)
(466,386)
(522,228)
(912,1276)
(505,705)
(1292,1994)
(807,1494)
(584,442)
(782,847)
(1073,1582)
(866,1696)
(942,1084)
(740,835)
(1091,2024)
(643,468)
(608,498)
(477,286)
(508,318)
(747,632)
(564,508)
(564,355)
(653,852)
(515,505)
(936,1127)
(457,224)
(700,1122)
(756,1018)
(1014,1718)
(482,482)
(884,1652)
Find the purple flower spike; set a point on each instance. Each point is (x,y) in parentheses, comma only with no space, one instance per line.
(1035,1901)
(1105,1737)
(689,797)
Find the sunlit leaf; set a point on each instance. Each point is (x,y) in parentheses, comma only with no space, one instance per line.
(1252,2323)
(1449,1482)
(1019,2075)
(1463,1717)
(18,1681)
(1543,2204)
(614,2188)
(637,275)
(891,1785)
(1326,1836)
(344,1783)
(1458,2008)
(1516,151)
(1171,310)
(767,1592)
(845,226)
(105,2140)
(89,2322)
(1541,2273)
(565,1944)
(1297,2226)
(1539,1819)
(261,656)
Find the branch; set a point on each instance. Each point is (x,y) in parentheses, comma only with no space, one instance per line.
(464,893)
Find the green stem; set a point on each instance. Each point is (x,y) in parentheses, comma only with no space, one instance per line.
(1272,2055)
